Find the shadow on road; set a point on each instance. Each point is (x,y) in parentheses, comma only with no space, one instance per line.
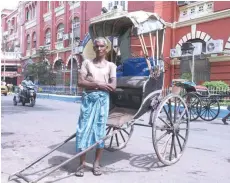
(144,162)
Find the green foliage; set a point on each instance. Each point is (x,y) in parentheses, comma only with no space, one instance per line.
(42,72)
(187,76)
(216,85)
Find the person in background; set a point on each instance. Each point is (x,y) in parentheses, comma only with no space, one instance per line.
(224,119)
(98,78)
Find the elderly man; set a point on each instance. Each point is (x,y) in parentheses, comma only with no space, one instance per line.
(98,78)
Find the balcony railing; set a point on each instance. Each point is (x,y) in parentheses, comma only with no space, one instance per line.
(30,23)
(11,55)
(195,10)
(59,45)
(59,10)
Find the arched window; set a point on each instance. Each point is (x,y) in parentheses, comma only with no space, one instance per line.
(28,14)
(60,31)
(47,37)
(34,40)
(28,42)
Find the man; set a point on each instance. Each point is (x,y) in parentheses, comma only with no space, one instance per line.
(224,119)
(26,82)
(98,78)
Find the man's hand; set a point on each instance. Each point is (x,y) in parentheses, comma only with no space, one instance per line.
(105,87)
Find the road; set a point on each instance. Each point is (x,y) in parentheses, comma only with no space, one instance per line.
(27,133)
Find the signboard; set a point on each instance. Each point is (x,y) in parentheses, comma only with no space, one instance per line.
(10,74)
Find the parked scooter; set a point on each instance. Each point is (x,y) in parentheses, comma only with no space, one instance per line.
(27,95)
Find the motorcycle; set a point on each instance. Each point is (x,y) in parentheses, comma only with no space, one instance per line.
(27,95)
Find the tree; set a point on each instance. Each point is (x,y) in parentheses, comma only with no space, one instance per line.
(41,70)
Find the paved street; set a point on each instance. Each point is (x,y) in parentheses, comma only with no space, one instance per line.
(27,133)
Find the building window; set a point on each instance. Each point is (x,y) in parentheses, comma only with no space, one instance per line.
(209,6)
(28,14)
(60,31)
(28,42)
(34,40)
(192,11)
(201,8)
(48,37)
(184,12)
(111,4)
(122,3)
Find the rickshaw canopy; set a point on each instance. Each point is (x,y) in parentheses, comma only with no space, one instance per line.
(141,22)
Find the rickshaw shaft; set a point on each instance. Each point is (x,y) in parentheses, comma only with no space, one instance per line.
(65,162)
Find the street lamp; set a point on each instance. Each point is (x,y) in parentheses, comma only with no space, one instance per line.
(188,49)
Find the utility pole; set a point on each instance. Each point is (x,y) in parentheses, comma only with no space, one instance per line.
(4,58)
(72,47)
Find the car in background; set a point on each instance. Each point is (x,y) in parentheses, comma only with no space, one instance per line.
(4,90)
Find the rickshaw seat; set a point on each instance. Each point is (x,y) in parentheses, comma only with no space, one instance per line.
(128,97)
(120,115)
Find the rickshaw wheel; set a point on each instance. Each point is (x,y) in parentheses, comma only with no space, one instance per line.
(170,129)
(119,140)
(210,109)
(194,105)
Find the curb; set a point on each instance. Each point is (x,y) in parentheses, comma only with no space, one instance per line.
(65,98)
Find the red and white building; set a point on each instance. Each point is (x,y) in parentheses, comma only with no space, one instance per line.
(49,24)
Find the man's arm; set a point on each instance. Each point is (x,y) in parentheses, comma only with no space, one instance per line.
(90,84)
(113,83)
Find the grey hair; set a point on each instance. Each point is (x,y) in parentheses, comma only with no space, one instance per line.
(100,39)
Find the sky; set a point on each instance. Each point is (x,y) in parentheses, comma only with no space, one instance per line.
(8,4)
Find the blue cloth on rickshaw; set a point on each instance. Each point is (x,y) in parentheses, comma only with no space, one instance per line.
(92,121)
(136,67)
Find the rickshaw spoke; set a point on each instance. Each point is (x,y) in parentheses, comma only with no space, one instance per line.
(164,122)
(108,130)
(171,149)
(122,136)
(111,141)
(166,144)
(174,146)
(178,140)
(167,115)
(175,111)
(117,140)
(181,136)
(210,112)
(162,136)
(213,112)
(179,120)
(126,132)
(170,111)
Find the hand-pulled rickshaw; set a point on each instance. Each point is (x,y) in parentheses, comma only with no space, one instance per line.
(200,102)
(136,96)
